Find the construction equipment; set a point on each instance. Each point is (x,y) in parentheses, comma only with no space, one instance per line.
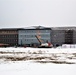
(43,45)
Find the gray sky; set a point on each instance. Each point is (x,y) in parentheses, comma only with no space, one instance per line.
(22,13)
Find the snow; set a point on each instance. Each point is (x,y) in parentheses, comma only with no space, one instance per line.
(32,67)
(27,68)
(47,50)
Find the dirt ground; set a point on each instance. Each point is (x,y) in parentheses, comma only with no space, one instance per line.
(39,57)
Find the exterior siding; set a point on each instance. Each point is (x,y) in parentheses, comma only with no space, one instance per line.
(74,36)
(9,36)
(58,37)
(28,36)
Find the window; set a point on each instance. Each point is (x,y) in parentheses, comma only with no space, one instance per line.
(31,35)
(46,30)
(15,35)
(20,35)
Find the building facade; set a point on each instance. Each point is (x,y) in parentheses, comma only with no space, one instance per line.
(9,36)
(58,37)
(28,36)
(63,35)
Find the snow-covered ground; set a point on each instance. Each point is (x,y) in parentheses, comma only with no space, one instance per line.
(37,61)
(46,50)
(27,68)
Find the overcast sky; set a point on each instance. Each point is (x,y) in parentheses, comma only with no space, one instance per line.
(22,13)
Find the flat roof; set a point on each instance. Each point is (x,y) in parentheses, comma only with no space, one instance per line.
(27,28)
(41,28)
(10,28)
(36,27)
(63,28)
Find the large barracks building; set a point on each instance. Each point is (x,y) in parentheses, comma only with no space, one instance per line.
(57,36)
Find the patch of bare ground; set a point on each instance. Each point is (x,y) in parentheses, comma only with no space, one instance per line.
(56,62)
(57,58)
(71,56)
(29,52)
(1,52)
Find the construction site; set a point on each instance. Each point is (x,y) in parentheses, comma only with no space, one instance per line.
(37,36)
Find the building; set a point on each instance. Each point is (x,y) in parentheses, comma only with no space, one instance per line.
(27,36)
(63,35)
(9,36)
(33,36)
